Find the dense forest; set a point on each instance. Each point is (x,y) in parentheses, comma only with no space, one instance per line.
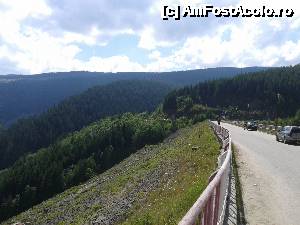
(270,94)
(77,158)
(30,95)
(28,135)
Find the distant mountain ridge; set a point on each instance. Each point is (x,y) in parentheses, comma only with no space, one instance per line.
(30,134)
(23,95)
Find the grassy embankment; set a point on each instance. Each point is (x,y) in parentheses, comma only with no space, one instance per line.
(156,185)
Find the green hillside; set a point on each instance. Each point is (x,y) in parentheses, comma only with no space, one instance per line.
(156,185)
(22,95)
(76,158)
(28,135)
(267,95)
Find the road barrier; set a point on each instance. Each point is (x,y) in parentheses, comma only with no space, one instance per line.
(209,209)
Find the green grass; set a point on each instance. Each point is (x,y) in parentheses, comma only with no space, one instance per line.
(177,172)
(169,205)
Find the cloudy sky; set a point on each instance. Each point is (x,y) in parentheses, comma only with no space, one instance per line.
(129,35)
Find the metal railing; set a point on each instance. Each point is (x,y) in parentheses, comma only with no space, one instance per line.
(209,209)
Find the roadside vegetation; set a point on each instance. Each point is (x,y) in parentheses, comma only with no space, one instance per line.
(156,185)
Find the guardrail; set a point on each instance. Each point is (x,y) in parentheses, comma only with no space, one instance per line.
(209,209)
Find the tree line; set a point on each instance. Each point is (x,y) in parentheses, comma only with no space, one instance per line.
(270,94)
(76,158)
(22,96)
(30,134)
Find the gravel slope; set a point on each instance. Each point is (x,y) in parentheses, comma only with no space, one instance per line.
(270,177)
(156,185)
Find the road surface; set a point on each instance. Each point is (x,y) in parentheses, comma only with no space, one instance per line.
(270,177)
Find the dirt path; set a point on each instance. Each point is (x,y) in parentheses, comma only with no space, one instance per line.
(270,178)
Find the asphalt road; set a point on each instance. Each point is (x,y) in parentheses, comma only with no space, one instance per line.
(270,177)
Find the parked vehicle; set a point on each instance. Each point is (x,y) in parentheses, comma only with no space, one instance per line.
(251,125)
(288,134)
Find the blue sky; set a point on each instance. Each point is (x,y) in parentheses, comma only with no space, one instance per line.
(39,36)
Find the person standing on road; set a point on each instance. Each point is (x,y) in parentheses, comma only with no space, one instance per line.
(219,120)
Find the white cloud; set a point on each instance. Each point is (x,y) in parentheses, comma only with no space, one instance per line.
(148,41)
(154,55)
(19,10)
(243,48)
(111,64)
(43,53)
(47,35)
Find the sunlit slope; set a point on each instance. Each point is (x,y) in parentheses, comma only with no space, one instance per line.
(156,185)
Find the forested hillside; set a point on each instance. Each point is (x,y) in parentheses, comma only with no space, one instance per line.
(28,135)
(27,95)
(269,94)
(77,158)
(155,185)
